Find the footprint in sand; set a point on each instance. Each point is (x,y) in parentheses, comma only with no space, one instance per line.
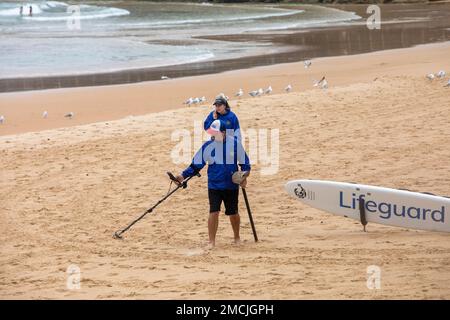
(193,252)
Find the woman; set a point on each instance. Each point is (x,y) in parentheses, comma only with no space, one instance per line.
(223,113)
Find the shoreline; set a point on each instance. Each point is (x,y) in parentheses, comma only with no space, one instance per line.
(296,45)
(107,103)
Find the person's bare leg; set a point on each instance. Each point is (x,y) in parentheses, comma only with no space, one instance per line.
(235,224)
(213,224)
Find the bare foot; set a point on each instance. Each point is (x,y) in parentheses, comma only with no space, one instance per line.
(237,242)
(210,246)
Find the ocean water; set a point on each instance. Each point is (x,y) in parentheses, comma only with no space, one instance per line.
(60,38)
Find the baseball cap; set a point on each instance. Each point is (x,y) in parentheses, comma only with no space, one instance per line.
(216,127)
(239,176)
(220,100)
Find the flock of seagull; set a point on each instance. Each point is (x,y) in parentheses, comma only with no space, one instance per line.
(438,75)
(69,115)
(322,83)
(195,100)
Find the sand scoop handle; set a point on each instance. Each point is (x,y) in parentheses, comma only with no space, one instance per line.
(250,214)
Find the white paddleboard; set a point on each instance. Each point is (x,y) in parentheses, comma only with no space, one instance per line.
(386,206)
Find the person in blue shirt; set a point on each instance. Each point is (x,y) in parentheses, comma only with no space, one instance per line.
(223,153)
(223,113)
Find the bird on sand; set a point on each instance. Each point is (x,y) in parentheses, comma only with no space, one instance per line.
(69,115)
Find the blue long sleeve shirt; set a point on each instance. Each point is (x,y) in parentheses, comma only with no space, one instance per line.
(230,120)
(223,159)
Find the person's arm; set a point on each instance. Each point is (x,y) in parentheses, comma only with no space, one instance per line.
(243,162)
(243,159)
(197,164)
(209,119)
(237,128)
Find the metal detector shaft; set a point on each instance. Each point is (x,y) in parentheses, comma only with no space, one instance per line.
(118,234)
(250,214)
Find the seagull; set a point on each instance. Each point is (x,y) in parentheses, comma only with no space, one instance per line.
(288,88)
(202,99)
(260,92)
(448,84)
(69,115)
(165,78)
(222,95)
(45,114)
(196,100)
(307,63)
(239,94)
(189,101)
(440,74)
(253,93)
(2,119)
(323,83)
(268,90)
(430,76)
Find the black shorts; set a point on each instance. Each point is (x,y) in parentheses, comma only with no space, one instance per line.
(230,199)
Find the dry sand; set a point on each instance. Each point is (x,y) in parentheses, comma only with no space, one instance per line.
(63,192)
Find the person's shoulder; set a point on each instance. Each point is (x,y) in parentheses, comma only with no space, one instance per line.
(232,114)
(206,143)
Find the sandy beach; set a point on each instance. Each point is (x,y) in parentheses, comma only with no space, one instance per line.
(94,104)
(67,185)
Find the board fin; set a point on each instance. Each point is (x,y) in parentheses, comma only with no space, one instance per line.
(362,213)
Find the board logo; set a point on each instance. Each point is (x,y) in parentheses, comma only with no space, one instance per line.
(301,193)
(387,210)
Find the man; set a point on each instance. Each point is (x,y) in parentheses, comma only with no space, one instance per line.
(223,153)
(223,113)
